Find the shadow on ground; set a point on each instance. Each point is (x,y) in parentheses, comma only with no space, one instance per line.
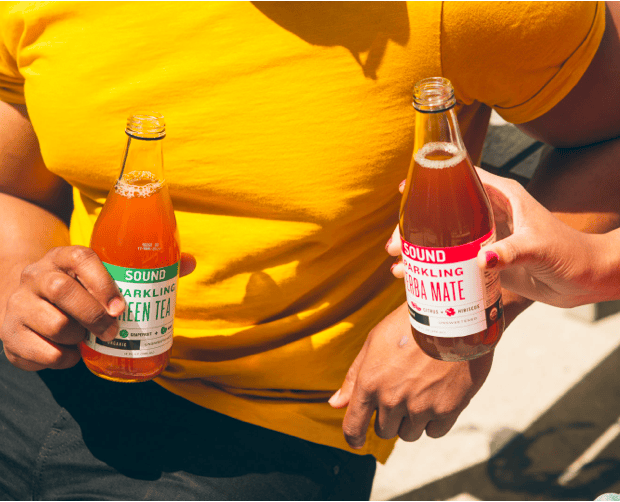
(528,466)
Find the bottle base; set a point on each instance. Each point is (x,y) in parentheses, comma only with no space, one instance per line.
(449,358)
(466,348)
(123,369)
(122,379)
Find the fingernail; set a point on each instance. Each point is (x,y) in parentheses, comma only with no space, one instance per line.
(334,398)
(388,243)
(402,184)
(393,265)
(116,307)
(492,258)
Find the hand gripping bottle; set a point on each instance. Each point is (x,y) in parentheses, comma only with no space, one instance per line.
(455,308)
(136,238)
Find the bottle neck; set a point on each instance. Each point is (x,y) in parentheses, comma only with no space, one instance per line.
(438,127)
(143,159)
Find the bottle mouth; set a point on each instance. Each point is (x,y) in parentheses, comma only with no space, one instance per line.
(146,125)
(434,94)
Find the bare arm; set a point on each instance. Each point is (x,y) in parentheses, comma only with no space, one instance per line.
(50,292)
(34,203)
(580,183)
(581,187)
(588,114)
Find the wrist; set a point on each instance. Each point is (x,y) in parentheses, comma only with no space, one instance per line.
(604,259)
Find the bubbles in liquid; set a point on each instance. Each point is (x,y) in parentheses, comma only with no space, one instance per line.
(440,149)
(138,184)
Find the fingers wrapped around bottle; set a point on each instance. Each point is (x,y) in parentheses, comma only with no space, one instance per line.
(60,297)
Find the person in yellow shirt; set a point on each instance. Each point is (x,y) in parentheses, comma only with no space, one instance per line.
(288,127)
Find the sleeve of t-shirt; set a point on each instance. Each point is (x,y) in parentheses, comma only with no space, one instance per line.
(11,80)
(520,58)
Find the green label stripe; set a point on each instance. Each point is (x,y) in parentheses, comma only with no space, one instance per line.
(142,275)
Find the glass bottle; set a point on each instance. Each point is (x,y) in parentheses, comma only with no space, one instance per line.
(136,238)
(455,308)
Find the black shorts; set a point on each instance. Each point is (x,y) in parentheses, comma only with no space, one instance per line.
(68,435)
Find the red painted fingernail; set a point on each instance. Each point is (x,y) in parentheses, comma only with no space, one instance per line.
(393,265)
(402,184)
(388,243)
(492,259)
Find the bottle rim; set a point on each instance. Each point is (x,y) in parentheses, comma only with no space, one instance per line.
(434,94)
(148,125)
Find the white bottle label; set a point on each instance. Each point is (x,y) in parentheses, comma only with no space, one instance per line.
(146,326)
(447,293)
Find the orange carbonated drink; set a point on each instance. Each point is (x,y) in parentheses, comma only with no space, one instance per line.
(136,238)
(455,309)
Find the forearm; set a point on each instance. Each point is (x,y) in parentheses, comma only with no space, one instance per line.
(604,266)
(35,204)
(581,186)
(26,234)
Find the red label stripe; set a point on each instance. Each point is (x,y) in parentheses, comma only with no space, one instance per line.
(452,254)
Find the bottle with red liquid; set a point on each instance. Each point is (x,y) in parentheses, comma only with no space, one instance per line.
(136,238)
(455,308)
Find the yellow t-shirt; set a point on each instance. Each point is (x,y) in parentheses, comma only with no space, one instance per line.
(289,128)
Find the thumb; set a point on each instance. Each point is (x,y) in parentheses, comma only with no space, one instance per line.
(506,253)
(342,396)
(188,264)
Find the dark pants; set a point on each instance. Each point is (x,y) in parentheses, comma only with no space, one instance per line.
(68,435)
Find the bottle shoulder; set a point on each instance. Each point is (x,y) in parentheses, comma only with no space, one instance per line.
(445,207)
(139,232)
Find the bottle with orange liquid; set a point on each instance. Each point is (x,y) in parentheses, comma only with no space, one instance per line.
(455,309)
(136,238)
